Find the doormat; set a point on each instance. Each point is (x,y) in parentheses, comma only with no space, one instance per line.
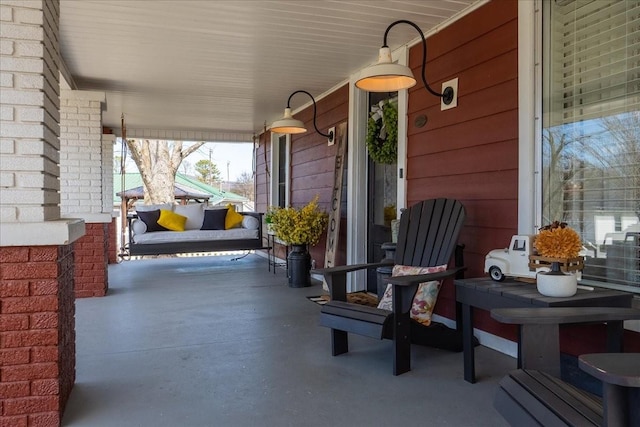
(363,298)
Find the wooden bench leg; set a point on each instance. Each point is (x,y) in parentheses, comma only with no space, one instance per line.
(339,342)
(539,348)
(401,344)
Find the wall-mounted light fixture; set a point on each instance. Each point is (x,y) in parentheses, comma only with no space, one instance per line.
(287,124)
(387,76)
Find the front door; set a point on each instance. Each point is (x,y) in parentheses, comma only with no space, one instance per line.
(381,202)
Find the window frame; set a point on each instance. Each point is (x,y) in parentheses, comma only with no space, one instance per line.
(532,21)
(275,170)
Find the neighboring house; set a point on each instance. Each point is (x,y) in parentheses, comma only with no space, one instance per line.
(187,188)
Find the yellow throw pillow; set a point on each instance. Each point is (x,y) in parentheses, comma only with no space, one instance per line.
(171,220)
(233,218)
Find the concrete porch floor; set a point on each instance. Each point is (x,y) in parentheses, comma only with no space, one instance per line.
(206,341)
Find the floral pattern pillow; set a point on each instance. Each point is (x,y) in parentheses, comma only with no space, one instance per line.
(426,296)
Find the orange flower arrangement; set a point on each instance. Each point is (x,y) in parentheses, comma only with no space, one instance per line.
(558,241)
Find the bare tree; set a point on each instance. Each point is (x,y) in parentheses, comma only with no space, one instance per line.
(244,185)
(625,130)
(158,162)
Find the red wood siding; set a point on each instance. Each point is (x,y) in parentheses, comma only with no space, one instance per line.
(312,164)
(470,152)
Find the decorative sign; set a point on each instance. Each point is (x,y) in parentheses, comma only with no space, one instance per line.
(333,229)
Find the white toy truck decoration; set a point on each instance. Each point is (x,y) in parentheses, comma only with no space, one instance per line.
(512,261)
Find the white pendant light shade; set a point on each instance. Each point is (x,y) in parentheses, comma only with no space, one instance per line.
(385,76)
(288,124)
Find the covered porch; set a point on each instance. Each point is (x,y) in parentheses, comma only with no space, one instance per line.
(173,337)
(208,341)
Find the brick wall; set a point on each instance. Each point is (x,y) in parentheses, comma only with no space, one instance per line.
(37,334)
(86,184)
(81,153)
(29,114)
(91,256)
(113,241)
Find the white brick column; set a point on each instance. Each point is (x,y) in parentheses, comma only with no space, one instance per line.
(29,126)
(83,183)
(36,245)
(83,158)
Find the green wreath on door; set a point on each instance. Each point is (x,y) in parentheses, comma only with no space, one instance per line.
(382,133)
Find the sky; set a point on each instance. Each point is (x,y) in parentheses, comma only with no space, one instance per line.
(239,157)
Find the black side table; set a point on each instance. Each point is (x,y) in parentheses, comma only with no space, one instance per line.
(487,294)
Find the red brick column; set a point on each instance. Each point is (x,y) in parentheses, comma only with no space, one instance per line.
(92,257)
(37,334)
(113,241)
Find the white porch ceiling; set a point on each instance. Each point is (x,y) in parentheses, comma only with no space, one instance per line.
(221,66)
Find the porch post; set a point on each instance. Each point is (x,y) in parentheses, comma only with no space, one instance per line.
(37,338)
(86,185)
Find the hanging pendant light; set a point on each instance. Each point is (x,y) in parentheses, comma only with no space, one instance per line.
(288,125)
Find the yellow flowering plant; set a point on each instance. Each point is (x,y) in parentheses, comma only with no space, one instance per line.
(299,226)
(557,240)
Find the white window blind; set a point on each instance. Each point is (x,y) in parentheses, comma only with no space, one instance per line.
(591,132)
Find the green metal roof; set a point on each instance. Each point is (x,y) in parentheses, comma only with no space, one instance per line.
(133,180)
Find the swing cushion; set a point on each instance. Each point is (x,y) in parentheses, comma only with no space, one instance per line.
(171,220)
(233,219)
(150,218)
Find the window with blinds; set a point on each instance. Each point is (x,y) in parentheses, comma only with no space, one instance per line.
(591,132)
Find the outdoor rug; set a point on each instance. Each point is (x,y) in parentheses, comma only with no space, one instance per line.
(363,298)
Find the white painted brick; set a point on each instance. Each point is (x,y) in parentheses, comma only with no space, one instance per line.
(6,113)
(6,47)
(7,146)
(18,97)
(31,4)
(73,102)
(29,49)
(28,16)
(50,135)
(77,129)
(6,80)
(6,13)
(22,196)
(7,179)
(8,214)
(77,117)
(21,32)
(52,110)
(37,213)
(21,130)
(92,137)
(29,81)
(26,114)
(37,147)
(31,180)
(97,118)
(78,196)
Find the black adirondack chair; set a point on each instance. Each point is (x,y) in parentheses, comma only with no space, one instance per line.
(427,237)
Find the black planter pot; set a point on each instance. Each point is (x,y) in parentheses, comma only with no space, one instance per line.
(299,267)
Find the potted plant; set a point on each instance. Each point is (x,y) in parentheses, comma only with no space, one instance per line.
(560,246)
(300,228)
(268,219)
